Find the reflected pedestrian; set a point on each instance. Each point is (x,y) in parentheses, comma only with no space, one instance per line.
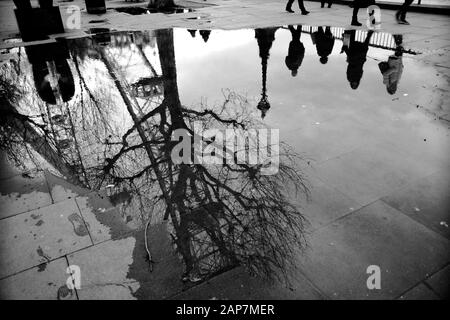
(401,13)
(393,68)
(324,42)
(296,51)
(322,3)
(356,56)
(300,4)
(205,34)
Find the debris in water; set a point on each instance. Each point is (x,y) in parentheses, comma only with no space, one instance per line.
(42,254)
(64,293)
(42,267)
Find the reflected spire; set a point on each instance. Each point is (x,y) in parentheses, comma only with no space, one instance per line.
(192,32)
(265,38)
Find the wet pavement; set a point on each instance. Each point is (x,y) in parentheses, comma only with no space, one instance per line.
(87,177)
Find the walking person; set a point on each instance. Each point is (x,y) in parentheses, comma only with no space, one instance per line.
(26,4)
(322,3)
(296,51)
(324,42)
(300,4)
(356,6)
(401,13)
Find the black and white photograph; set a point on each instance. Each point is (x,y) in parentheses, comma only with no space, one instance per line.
(224,156)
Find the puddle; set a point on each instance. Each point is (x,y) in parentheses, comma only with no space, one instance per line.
(141,10)
(102,111)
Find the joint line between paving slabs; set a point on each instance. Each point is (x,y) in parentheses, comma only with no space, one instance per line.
(84,222)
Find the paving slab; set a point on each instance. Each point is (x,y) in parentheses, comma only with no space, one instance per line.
(426,43)
(39,236)
(371,172)
(164,280)
(237,284)
(406,252)
(424,140)
(104,270)
(6,169)
(45,282)
(104,221)
(119,269)
(426,201)
(61,189)
(324,204)
(420,292)
(325,140)
(22,193)
(440,282)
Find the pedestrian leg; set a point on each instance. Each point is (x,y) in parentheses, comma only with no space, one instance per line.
(302,7)
(400,16)
(355,15)
(289,6)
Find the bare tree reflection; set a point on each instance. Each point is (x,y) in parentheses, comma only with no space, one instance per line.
(220,215)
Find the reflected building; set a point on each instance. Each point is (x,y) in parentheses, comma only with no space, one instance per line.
(192,32)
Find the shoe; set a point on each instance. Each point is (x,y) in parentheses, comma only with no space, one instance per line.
(403,21)
(356,23)
(305,13)
(290,10)
(397,16)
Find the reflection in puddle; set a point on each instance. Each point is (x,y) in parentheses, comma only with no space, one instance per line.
(102,111)
(141,10)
